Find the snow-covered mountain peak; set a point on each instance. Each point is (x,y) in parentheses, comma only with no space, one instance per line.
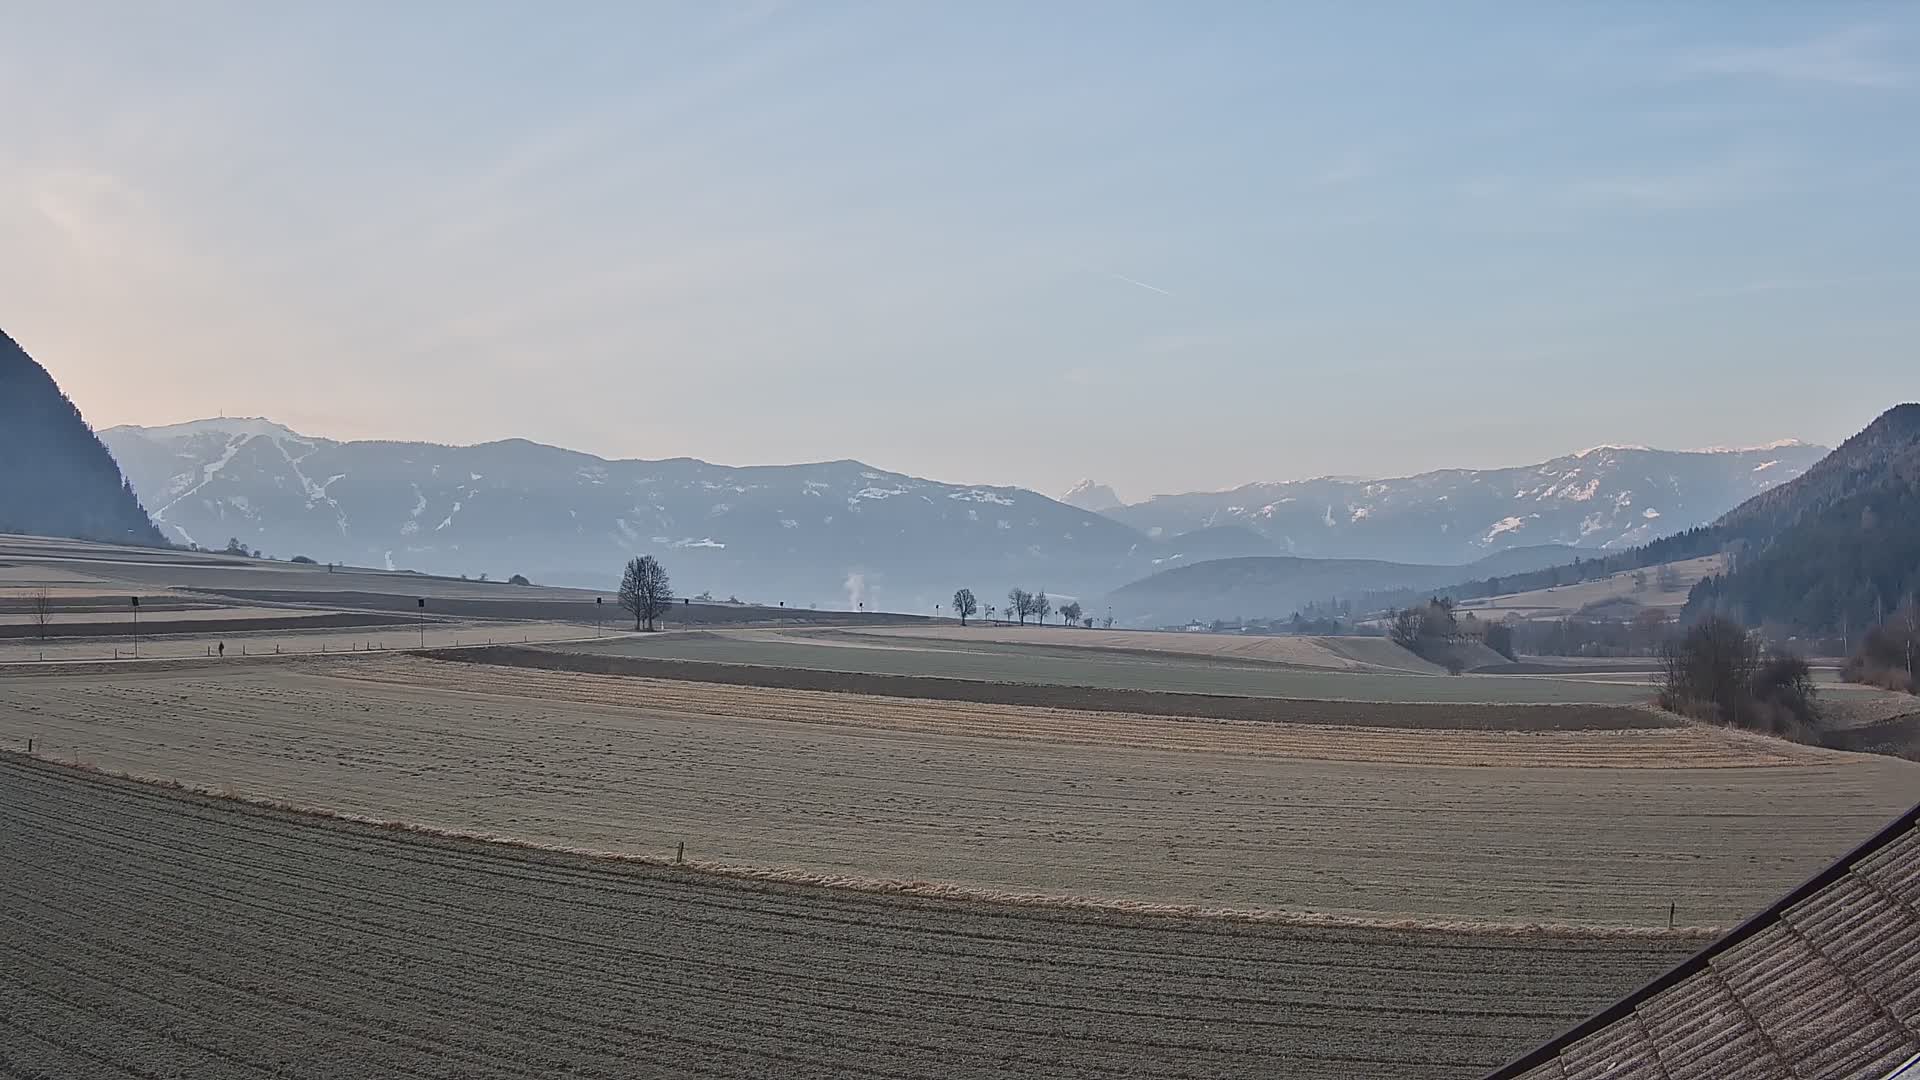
(251,426)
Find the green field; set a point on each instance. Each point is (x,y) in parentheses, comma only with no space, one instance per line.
(1105,669)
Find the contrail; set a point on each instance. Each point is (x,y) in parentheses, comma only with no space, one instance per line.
(1135,281)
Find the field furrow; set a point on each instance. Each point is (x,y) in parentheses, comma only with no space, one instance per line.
(153,932)
(1002,801)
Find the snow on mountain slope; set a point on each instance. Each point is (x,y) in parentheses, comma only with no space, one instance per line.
(793,532)
(1603,497)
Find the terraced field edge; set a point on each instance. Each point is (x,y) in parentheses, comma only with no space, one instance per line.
(1438,716)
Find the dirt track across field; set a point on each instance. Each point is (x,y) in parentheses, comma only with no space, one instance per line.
(1590,827)
(598,657)
(200,624)
(862,652)
(151,933)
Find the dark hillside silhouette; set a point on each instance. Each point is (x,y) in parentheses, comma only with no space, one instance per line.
(56,479)
(1834,550)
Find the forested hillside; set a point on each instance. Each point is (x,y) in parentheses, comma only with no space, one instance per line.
(1834,550)
(56,479)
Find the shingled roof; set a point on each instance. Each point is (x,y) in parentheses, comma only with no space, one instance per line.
(1823,984)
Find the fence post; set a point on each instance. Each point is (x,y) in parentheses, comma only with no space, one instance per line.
(680,855)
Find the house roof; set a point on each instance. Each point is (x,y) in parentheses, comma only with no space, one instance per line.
(1825,983)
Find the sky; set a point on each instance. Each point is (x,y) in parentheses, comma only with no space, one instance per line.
(1166,246)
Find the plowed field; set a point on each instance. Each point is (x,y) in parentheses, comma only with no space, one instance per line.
(150,933)
(1579,827)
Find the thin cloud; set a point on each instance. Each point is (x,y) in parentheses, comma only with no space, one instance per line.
(1135,281)
(1840,58)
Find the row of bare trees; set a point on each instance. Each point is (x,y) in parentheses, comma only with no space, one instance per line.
(1021,606)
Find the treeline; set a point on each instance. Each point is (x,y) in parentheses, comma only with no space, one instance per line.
(1023,605)
(56,479)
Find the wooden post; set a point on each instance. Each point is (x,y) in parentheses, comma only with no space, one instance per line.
(680,856)
(29,747)
(1671,908)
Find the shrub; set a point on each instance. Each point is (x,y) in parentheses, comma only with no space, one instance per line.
(1500,639)
(1888,653)
(518,579)
(303,559)
(1715,672)
(1783,693)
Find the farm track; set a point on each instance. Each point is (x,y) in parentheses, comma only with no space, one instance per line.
(1579,828)
(1038,663)
(156,933)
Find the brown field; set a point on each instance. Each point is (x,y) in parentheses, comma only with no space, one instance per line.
(1573,827)
(1428,715)
(156,933)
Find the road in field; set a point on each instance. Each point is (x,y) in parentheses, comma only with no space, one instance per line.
(149,933)
(393,636)
(1579,827)
(1071,665)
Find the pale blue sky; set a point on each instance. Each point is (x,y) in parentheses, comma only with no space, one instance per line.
(1170,246)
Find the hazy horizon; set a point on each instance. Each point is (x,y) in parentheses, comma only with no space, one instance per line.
(1056,493)
(1161,250)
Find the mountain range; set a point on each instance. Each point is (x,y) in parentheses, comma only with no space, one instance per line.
(844,533)
(56,479)
(833,533)
(1608,497)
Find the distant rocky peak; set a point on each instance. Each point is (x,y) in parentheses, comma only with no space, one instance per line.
(1092,496)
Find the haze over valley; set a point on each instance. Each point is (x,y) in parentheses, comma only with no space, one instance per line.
(846,533)
(1068,541)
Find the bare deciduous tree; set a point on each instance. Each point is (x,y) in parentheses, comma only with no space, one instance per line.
(1019,604)
(645,591)
(964,605)
(1042,607)
(1070,613)
(40,604)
